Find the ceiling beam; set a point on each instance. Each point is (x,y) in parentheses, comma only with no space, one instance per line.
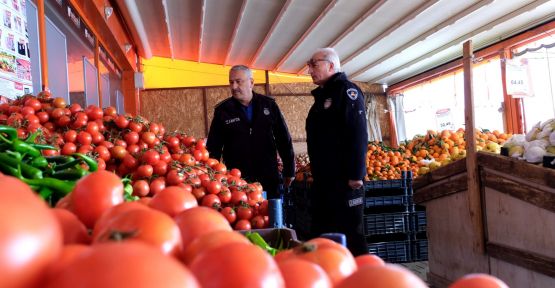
(235,30)
(315,23)
(131,9)
(271,31)
(424,36)
(201,28)
(168,26)
(460,40)
(351,28)
(404,20)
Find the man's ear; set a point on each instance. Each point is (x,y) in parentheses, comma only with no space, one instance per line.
(332,67)
(252,82)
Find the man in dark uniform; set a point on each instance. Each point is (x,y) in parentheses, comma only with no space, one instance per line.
(337,143)
(247,130)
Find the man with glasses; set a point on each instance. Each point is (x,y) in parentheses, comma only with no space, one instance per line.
(337,143)
(247,130)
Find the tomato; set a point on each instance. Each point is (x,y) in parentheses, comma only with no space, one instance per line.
(92,127)
(33,103)
(77,123)
(131,137)
(336,260)
(63,121)
(101,164)
(220,168)
(187,159)
(160,168)
(118,152)
(188,141)
(74,108)
(157,185)
(121,121)
(225,195)
(237,197)
(102,152)
(478,280)
(369,260)
(197,221)
(243,225)
(110,111)
(386,276)
(225,266)
(154,128)
(172,142)
(148,225)
(255,196)
(312,275)
(257,222)
(114,211)
(212,201)
(84,138)
(98,138)
(210,241)
(74,231)
(94,194)
(120,142)
(30,236)
(148,138)
(199,192)
(25,111)
(133,149)
(214,187)
(43,117)
(244,212)
(70,136)
(67,256)
(59,102)
(94,112)
(229,214)
(150,157)
(173,200)
(141,188)
(174,177)
(263,208)
(69,148)
(117,265)
(135,126)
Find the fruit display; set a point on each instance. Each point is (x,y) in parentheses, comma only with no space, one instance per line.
(70,142)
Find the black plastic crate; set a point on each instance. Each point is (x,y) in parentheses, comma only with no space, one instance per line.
(302,223)
(419,222)
(419,250)
(392,251)
(386,223)
(379,201)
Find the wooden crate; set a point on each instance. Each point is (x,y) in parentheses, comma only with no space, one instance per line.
(517,237)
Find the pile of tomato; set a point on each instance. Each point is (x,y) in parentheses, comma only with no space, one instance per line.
(96,239)
(142,151)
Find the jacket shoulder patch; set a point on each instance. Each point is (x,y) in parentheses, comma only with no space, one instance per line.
(352,93)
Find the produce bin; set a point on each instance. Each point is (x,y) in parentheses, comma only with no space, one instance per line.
(514,239)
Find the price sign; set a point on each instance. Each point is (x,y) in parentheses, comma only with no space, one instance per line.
(517,80)
(444,119)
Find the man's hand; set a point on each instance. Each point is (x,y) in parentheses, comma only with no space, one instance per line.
(287,182)
(355,184)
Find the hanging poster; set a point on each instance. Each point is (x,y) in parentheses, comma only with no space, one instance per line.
(444,119)
(518,79)
(15,64)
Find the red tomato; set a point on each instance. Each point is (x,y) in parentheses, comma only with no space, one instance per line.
(135,126)
(229,214)
(69,148)
(144,171)
(160,168)
(130,162)
(94,112)
(257,222)
(74,108)
(172,142)
(187,159)
(43,117)
(199,192)
(214,187)
(141,188)
(369,260)
(174,177)
(173,200)
(74,231)
(312,275)
(225,195)
(386,276)
(225,266)
(197,221)
(147,225)
(59,102)
(121,121)
(84,138)
(70,136)
(150,157)
(118,152)
(188,141)
(69,253)
(111,213)
(212,201)
(157,185)
(244,212)
(131,137)
(33,103)
(220,168)
(102,266)
(102,152)
(479,280)
(237,197)
(94,194)
(92,127)
(98,138)
(243,225)
(30,236)
(110,111)
(210,241)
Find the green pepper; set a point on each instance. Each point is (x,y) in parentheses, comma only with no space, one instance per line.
(55,184)
(68,165)
(32,137)
(9,170)
(25,148)
(45,192)
(39,162)
(26,169)
(43,147)
(257,240)
(10,131)
(59,159)
(93,165)
(73,173)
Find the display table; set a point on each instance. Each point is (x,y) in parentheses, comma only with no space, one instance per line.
(516,241)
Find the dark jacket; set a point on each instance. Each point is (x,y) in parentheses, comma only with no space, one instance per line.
(251,147)
(337,136)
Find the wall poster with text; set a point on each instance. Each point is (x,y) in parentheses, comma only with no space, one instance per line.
(15,64)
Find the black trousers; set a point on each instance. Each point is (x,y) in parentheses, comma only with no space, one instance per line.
(334,211)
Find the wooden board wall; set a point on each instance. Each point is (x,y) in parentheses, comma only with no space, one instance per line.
(183,109)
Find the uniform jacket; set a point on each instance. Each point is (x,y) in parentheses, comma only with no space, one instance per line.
(337,136)
(251,147)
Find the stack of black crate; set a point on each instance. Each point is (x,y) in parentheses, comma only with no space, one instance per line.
(395,228)
(297,208)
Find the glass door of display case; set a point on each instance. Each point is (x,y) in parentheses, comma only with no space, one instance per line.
(91,83)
